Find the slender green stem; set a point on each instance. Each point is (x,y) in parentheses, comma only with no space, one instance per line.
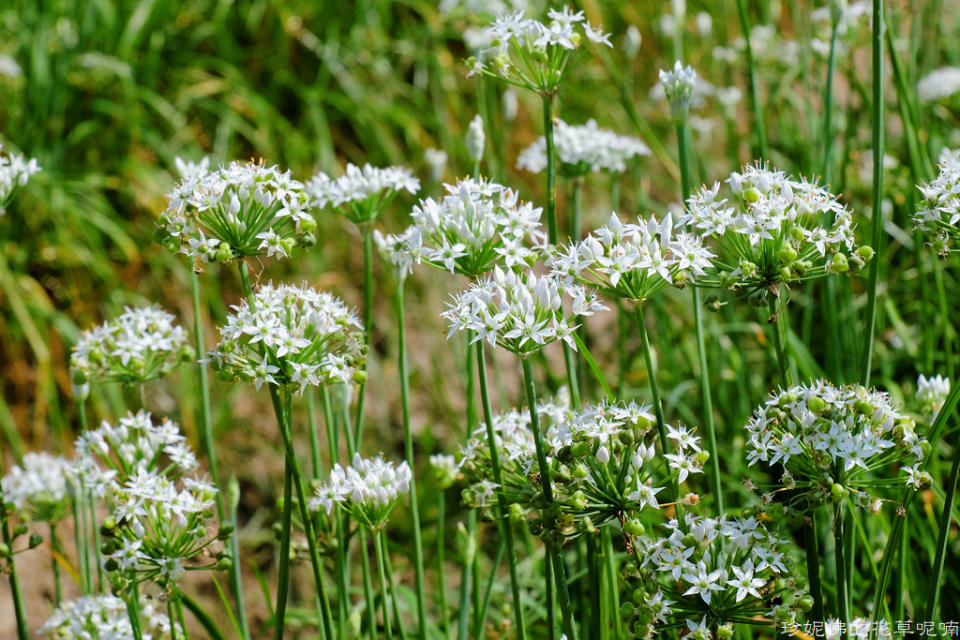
(826,137)
(950,493)
(343,592)
(133,610)
(368,586)
(213,631)
(551,168)
(716,487)
(576,209)
(652,376)
(18,609)
(91,558)
(367,230)
(441,565)
(839,533)
(393,588)
(488,591)
(55,563)
(171,615)
(764,152)
(283,575)
(810,533)
(611,580)
(776,324)
(556,559)
(408,450)
(876,218)
(381,570)
(206,427)
(505,526)
(469,572)
(463,626)
(79,533)
(314,429)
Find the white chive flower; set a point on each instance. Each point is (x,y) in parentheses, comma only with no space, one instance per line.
(368,489)
(445,469)
(477,225)
(939,212)
(774,229)
(160,527)
(290,336)
(939,84)
(633,261)
(533,54)
(717,570)
(39,488)
(240,209)
(436,160)
(475,139)
(361,194)
(15,172)
(678,85)
(520,312)
(142,344)
(932,393)
(836,442)
(105,617)
(582,149)
(401,250)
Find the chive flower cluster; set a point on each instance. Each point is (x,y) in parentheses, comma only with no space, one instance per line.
(633,261)
(531,54)
(241,209)
(836,443)
(774,229)
(710,573)
(932,392)
(939,212)
(678,86)
(361,193)
(39,488)
(15,172)
(368,489)
(605,463)
(104,617)
(520,312)
(477,225)
(142,344)
(582,149)
(290,336)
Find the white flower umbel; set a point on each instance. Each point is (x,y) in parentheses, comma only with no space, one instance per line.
(368,489)
(160,528)
(932,393)
(532,54)
(290,336)
(104,617)
(402,250)
(142,344)
(715,570)
(520,312)
(582,149)
(939,84)
(15,172)
(678,85)
(38,489)
(774,229)
(134,444)
(939,213)
(361,194)
(604,458)
(633,261)
(835,443)
(241,209)
(477,225)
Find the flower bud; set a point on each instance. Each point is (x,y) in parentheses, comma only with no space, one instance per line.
(35,540)
(19,530)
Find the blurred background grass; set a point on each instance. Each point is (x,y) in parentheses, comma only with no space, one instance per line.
(106,93)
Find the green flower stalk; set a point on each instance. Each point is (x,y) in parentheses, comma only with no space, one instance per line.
(7,556)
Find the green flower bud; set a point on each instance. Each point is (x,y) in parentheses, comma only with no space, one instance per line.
(223,254)
(19,530)
(838,264)
(35,540)
(634,527)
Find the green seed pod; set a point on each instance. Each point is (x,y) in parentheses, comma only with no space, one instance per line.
(634,527)
(35,540)
(19,530)
(223,254)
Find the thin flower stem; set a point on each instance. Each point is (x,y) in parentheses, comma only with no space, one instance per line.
(173,619)
(23,633)
(314,430)
(776,324)
(551,168)
(839,533)
(810,533)
(469,573)
(283,574)
(556,559)
(368,586)
(764,152)
(393,588)
(488,591)
(55,562)
(950,493)
(876,214)
(408,450)
(611,580)
(716,487)
(576,209)
(79,535)
(441,569)
(367,230)
(652,376)
(504,524)
(341,539)
(206,424)
(133,611)
(381,570)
